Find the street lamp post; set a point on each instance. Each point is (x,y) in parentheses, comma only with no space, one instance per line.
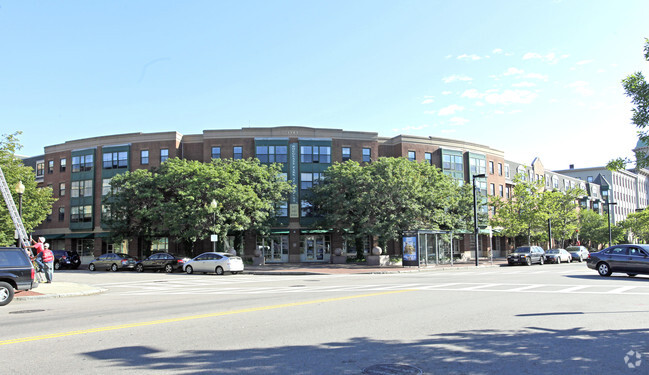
(20,189)
(608,216)
(475,215)
(214,205)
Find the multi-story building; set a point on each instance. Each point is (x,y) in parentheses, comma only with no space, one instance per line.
(79,172)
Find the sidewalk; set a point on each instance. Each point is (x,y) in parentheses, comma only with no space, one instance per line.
(65,289)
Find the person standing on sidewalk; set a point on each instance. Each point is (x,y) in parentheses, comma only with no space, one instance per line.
(47,257)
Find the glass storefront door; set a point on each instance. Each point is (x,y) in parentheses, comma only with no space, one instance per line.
(315,248)
(274,248)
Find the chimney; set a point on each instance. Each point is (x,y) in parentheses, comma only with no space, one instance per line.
(572,166)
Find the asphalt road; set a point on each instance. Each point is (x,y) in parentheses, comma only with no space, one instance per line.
(551,319)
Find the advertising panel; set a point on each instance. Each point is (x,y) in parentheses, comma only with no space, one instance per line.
(410,250)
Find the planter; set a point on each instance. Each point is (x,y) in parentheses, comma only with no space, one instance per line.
(339,259)
(378,260)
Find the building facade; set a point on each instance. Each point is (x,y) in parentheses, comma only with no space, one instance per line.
(79,172)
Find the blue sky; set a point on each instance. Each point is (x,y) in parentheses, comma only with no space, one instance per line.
(531,78)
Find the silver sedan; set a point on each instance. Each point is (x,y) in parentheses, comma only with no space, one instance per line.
(557,256)
(217,263)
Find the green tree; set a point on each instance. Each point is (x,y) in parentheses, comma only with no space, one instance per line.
(389,196)
(37,202)
(594,229)
(561,208)
(175,200)
(637,88)
(637,224)
(522,214)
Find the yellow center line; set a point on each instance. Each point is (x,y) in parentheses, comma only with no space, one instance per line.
(192,317)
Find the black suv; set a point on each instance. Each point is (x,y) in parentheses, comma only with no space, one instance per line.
(66,259)
(16,273)
(526,255)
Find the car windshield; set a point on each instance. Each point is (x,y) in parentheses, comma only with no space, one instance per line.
(522,250)
(552,252)
(573,248)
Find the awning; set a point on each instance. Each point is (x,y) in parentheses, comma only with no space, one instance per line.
(314,231)
(102,235)
(279,231)
(52,236)
(79,235)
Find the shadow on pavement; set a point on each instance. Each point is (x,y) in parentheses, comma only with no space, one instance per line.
(532,350)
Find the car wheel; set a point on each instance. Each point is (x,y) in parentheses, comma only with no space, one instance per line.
(92,267)
(528,261)
(632,274)
(541,261)
(604,269)
(189,270)
(139,268)
(57,265)
(114,267)
(169,268)
(235,272)
(6,293)
(219,270)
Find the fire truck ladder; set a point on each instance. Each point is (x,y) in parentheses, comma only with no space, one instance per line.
(23,238)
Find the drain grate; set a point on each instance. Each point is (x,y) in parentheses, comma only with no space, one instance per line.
(392,369)
(25,311)
(298,286)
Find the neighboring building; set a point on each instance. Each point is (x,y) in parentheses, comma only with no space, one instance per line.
(79,172)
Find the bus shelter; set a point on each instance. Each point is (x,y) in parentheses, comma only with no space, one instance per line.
(425,247)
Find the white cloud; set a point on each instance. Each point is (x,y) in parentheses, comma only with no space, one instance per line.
(430,112)
(531,55)
(584,62)
(428,101)
(458,121)
(524,84)
(472,93)
(551,57)
(448,56)
(479,104)
(469,57)
(513,71)
(499,112)
(446,131)
(447,92)
(454,78)
(582,88)
(450,110)
(511,97)
(497,50)
(537,76)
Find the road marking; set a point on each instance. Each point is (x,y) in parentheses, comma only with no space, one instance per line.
(573,289)
(193,317)
(480,286)
(621,289)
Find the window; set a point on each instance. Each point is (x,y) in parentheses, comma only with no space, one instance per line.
(347,153)
(115,160)
(63,164)
(144,157)
(555,182)
(477,165)
(237,151)
(491,167)
(164,155)
(367,155)
(50,166)
(307,180)
(500,191)
(500,169)
(61,213)
(507,170)
(216,152)
(412,156)
(589,178)
(83,163)
(81,214)
(315,154)
(428,157)
(282,210)
(452,162)
(40,169)
(306,209)
(81,189)
(492,189)
(105,186)
(62,189)
(160,244)
(272,154)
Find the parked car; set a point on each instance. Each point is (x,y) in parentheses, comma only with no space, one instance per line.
(113,262)
(629,259)
(557,256)
(66,259)
(16,273)
(526,255)
(161,261)
(579,253)
(218,263)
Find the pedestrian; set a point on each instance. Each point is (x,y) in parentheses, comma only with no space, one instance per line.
(47,257)
(39,249)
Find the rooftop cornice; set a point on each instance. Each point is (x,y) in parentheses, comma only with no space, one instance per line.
(110,140)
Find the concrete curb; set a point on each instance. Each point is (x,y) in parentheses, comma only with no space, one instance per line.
(81,293)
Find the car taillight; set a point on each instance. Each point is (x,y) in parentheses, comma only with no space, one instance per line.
(124,261)
(33,273)
(180,260)
(64,257)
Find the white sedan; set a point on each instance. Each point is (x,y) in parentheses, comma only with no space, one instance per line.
(217,263)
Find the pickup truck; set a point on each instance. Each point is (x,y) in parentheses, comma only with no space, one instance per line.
(16,273)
